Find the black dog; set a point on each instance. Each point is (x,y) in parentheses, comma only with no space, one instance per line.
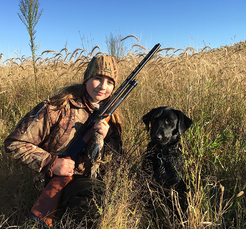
(163,159)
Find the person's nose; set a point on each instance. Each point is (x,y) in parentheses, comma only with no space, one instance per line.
(103,84)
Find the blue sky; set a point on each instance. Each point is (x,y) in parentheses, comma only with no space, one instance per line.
(176,23)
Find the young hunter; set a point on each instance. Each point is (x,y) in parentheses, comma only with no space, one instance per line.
(41,138)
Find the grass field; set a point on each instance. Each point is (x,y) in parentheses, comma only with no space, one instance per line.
(207,85)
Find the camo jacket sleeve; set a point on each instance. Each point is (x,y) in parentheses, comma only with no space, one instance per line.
(25,142)
(44,134)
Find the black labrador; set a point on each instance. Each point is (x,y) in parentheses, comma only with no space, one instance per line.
(163,158)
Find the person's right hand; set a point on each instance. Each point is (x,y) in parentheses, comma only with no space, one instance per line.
(64,167)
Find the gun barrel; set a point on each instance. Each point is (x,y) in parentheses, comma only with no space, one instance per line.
(131,85)
(129,79)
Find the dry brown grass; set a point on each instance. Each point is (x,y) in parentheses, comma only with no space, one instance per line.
(207,85)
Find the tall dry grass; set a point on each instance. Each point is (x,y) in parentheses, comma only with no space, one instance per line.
(207,85)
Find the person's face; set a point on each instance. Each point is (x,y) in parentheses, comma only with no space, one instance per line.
(99,88)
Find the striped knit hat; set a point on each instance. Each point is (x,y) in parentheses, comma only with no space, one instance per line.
(104,65)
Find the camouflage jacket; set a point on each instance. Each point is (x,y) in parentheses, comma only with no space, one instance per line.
(44,133)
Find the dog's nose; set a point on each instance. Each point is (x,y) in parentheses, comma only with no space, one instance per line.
(157,137)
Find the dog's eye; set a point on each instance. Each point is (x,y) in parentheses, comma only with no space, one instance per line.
(168,121)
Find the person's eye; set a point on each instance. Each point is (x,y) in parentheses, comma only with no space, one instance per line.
(110,82)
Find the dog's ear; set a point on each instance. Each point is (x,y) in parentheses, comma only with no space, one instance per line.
(146,119)
(184,122)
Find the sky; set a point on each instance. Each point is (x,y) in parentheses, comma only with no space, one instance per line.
(85,24)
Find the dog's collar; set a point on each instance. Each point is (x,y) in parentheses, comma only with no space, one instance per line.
(163,150)
(167,149)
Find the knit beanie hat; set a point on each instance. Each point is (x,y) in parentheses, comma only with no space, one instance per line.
(104,65)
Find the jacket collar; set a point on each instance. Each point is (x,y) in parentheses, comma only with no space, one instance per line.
(78,103)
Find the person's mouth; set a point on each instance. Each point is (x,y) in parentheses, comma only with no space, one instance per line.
(99,93)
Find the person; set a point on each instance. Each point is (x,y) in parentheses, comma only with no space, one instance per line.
(41,138)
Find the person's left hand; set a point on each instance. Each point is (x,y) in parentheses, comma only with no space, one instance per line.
(102,127)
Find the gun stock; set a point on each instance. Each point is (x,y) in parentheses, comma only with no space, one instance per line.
(47,203)
(44,209)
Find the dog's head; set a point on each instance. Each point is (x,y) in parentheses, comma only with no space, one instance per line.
(167,124)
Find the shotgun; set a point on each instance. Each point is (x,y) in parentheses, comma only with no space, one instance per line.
(44,209)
